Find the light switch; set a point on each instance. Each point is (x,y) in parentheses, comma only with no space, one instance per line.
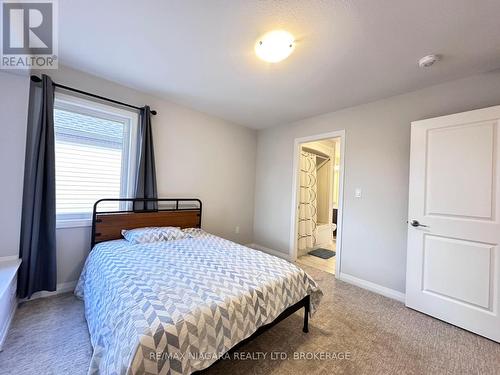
(357,192)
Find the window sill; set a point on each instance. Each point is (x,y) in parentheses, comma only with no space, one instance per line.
(78,223)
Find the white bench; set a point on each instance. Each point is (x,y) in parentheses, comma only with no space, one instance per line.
(8,300)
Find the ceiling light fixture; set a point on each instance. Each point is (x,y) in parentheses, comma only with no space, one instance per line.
(275,46)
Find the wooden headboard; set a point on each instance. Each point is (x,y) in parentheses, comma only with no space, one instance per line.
(106,226)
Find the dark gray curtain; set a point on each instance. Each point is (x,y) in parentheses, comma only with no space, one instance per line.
(38,223)
(145,186)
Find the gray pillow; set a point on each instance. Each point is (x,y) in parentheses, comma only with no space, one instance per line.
(153,234)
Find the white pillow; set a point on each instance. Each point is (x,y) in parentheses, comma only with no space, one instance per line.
(195,232)
(153,234)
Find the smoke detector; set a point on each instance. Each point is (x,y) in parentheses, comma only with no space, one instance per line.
(428,61)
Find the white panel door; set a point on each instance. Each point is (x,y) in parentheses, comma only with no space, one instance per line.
(453,259)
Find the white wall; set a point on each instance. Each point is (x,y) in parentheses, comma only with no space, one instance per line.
(14,91)
(197,155)
(376,160)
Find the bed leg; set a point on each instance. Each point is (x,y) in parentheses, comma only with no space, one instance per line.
(306,315)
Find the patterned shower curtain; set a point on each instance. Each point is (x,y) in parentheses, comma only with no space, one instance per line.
(307,203)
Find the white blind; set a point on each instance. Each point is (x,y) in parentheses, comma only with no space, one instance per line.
(89,162)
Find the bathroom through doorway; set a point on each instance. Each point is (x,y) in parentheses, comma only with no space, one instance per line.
(318,198)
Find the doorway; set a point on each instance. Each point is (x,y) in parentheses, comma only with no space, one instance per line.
(317,201)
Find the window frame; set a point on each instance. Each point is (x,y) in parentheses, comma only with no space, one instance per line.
(130,120)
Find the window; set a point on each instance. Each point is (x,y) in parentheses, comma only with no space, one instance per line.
(95,157)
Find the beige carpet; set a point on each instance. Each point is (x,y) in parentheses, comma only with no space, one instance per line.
(381,336)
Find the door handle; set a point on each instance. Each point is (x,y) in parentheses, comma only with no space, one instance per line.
(415,223)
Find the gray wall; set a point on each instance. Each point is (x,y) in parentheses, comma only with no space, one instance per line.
(376,160)
(197,155)
(14,91)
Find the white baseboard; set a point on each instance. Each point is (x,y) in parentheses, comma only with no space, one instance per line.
(387,292)
(376,288)
(269,251)
(60,288)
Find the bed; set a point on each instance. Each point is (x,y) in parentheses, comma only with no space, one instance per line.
(176,307)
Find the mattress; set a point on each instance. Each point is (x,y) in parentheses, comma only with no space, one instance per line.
(175,307)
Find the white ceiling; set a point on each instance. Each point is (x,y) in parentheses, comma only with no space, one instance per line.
(200,53)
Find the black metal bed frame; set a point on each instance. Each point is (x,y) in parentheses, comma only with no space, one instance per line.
(303,303)
(177,201)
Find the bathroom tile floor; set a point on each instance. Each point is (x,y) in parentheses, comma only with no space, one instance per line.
(326,265)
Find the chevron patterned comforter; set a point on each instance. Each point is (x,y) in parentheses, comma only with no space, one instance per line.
(175,307)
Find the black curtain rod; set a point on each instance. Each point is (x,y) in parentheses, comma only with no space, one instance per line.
(38,79)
